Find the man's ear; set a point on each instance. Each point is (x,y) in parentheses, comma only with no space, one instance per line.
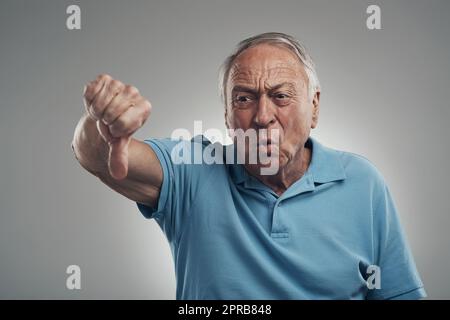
(316,108)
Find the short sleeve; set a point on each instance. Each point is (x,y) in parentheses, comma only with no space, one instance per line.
(399,275)
(181,184)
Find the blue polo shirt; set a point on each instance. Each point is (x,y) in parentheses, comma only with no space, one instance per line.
(232,237)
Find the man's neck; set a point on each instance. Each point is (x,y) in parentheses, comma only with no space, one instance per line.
(288,174)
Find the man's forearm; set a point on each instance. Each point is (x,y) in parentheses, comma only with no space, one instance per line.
(106,148)
(90,149)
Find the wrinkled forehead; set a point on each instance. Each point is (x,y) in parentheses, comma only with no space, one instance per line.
(267,63)
(280,72)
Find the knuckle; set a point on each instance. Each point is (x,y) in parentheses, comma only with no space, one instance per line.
(115,88)
(131,90)
(147,109)
(115,83)
(104,77)
(148,105)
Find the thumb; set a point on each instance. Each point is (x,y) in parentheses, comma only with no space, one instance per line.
(118,157)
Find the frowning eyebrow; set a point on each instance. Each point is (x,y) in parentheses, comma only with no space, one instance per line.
(241,88)
(244,89)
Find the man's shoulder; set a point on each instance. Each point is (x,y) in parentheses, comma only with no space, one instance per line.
(196,155)
(358,167)
(170,143)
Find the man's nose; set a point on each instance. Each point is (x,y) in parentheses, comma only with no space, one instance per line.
(264,113)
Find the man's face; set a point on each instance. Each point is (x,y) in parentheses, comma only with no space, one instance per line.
(267,88)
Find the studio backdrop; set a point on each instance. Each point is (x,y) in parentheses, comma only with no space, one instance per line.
(384,96)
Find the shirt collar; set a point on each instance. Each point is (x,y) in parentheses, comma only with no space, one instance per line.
(325,165)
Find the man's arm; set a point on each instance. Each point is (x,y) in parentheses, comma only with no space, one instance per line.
(103,144)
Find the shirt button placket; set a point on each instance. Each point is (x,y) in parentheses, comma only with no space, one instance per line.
(278,228)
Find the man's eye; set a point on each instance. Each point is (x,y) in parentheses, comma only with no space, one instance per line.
(243,99)
(281,96)
(282,99)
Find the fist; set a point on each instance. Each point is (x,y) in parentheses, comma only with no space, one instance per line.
(119,111)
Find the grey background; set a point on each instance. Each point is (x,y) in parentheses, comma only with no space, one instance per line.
(385,96)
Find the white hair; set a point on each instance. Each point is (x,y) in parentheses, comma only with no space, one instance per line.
(275,38)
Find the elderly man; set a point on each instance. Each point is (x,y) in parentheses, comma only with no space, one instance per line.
(323,226)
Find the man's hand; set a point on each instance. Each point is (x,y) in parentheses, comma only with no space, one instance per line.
(119,110)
